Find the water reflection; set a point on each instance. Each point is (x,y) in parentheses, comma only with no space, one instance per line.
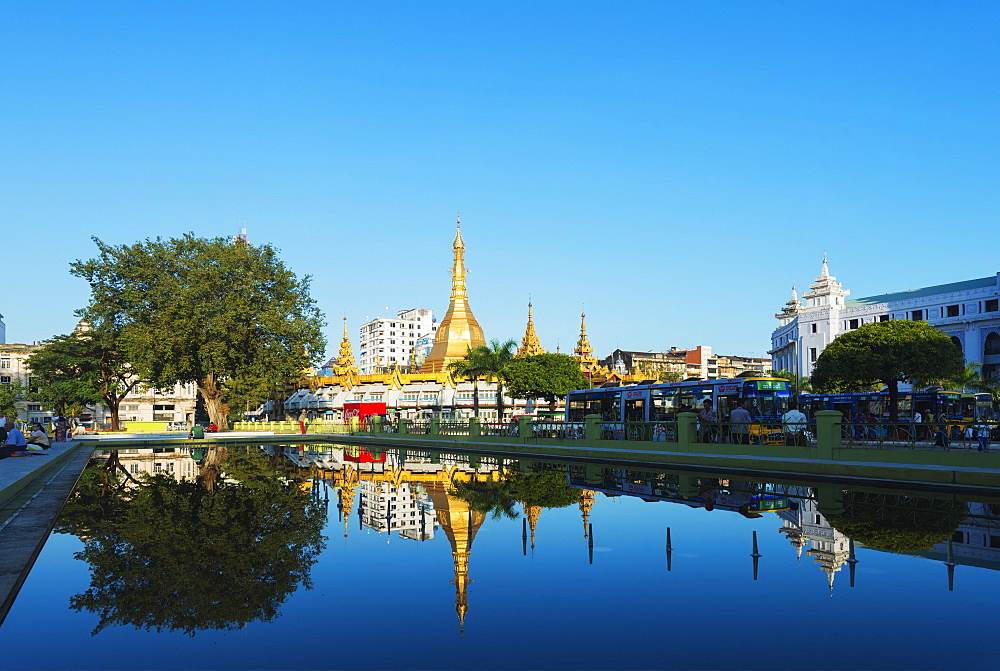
(171,552)
(214,539)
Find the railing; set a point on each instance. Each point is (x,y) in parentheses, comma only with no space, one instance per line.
(755,433)
(507,429)
(564,430)
(418,428)
(453,428)
(910,436)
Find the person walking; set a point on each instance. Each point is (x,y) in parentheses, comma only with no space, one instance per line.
(739,423)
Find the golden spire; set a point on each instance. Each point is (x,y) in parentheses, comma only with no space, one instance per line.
(530,345)
(584,353)
(345,357)
(459,329)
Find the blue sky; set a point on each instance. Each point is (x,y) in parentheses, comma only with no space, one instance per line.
(673,167)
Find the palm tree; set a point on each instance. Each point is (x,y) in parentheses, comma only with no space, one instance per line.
(470,368)
(970,379)
(490,361)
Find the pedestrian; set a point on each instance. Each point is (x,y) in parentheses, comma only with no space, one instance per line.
(62,429)
(739,423)
(917,420)
(793,423)
(983,436)
(706,422)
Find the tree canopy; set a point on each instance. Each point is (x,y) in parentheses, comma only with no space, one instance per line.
(80,369)
(888,353)
(545,488)
(206,311)
(547,376)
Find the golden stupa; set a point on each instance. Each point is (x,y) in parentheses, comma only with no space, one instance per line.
(459,329)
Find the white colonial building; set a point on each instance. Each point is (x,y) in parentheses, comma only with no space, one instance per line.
(392,342)
(966,311)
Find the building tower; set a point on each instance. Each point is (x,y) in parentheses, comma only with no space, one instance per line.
(459,329)
(530,345)
(345,357)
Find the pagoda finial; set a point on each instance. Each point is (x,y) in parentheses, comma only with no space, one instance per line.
(530,344)
(584,352)
(345,356)
(825,271)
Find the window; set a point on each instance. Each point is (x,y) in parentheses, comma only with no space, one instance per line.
(992,305)
(812,328)
(163,407)
(4,363)
(917,315)
(4,381)
(34,408)
(853,324)
(951,311)
(812,354)
(883,318)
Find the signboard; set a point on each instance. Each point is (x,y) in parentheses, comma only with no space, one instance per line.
(772,385)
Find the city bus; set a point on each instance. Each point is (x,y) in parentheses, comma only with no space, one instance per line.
(954,406)
(766,400)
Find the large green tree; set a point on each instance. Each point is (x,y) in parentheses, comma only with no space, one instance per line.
(888,353)
(186,556)
(82,368)
(547,376)
(203,310)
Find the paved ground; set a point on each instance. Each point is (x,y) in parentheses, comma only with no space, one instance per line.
(32,492)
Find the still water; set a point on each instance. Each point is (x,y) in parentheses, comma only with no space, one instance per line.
(324,556)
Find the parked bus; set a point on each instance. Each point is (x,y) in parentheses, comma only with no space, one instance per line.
(766,397)
(951,405)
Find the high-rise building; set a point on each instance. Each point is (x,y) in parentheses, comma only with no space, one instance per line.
(393,342)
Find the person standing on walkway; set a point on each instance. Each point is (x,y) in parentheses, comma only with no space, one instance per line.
(793,423)
(62,428)
(706,422)
(739,423)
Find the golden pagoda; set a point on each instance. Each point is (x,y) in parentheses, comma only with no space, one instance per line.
(459,329)
(530,345)
(345,357)
(584,353)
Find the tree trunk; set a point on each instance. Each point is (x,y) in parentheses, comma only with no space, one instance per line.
(893,401)
(113,403)
(500,407)
(475,397)
(211,393)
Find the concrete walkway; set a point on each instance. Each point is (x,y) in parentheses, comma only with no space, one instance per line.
(32,492)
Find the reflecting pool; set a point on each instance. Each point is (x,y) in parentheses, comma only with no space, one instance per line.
(327,556)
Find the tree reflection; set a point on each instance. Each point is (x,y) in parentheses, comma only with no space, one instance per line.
(213,554)
(544,489)
(898,523)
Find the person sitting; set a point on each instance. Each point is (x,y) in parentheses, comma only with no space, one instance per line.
(15,441)
(38,436)
(197,432)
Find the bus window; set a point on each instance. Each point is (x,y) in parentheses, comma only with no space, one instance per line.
(766,406)
(663,404)
(691,398)
(610,408)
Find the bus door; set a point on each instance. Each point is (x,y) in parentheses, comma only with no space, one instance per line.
(636,402)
